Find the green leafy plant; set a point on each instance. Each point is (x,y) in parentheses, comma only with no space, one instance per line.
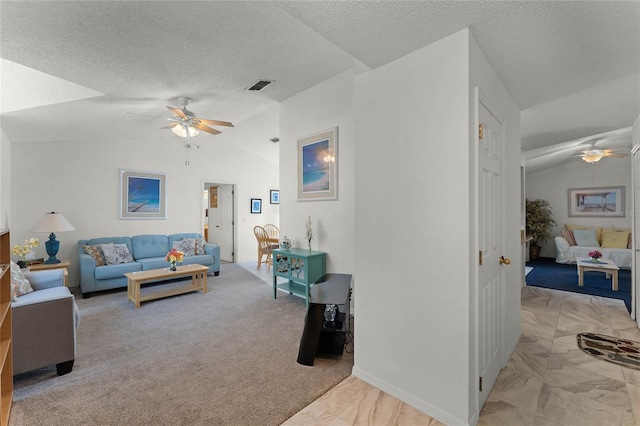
(540,221)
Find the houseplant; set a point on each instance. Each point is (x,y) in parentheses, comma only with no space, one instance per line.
(540,222)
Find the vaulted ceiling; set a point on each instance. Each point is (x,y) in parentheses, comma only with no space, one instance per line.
(99,70)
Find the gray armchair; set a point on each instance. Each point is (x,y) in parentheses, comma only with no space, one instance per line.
(44,324)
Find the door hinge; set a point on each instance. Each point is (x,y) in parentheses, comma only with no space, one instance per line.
(480,257)
(480,383)
(480,131)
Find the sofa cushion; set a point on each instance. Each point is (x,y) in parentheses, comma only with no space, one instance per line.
(202,259)
(598,229)
(146,246)
(111,240)
(153,263)
(116,253)
(186,246)
(96,253)
(617,239)
(586,237)
(116,271)
(568,235)
(20,285)
(200,243)
(178,237)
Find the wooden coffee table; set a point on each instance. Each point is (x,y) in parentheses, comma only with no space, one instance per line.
(134,279)
(604,265)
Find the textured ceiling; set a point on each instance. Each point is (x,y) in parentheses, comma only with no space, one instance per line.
(573,67)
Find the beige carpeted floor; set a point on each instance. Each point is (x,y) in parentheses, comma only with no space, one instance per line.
(227,357)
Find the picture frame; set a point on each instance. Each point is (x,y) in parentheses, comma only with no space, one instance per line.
(274,196)
(318,166)
(213,197)
(604,201)
(256,205)
(143,195)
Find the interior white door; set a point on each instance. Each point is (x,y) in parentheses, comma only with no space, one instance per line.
(225,199)
(490,238)
(221,223)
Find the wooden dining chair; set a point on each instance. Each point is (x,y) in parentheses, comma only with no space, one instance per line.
(272,231)
(265,247)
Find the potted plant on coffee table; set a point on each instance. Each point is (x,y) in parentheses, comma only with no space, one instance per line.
(540,222)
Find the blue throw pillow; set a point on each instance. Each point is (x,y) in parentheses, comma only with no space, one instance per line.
(586,237)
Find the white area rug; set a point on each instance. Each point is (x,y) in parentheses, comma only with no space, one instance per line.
(527,269)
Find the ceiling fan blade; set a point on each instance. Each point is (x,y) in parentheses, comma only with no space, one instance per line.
(169,126)
(207,129)
(177,111)
(215,122)
(135,113)
(204,128)
(614,154)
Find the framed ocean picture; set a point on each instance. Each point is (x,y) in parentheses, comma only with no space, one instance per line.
(604,201)
(318,166)
(143,195)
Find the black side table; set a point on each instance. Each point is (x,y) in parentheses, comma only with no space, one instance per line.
(319,336)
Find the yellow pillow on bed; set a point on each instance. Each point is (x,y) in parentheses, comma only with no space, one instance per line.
(617,239)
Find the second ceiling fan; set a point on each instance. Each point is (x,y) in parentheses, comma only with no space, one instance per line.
(593,155)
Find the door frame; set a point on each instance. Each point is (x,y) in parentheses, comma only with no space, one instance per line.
(203,218)
(635,227)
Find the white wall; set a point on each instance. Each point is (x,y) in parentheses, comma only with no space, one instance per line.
(553,184)
(322,107)
(5,179)
(80,180)
(413,183)
(412,228)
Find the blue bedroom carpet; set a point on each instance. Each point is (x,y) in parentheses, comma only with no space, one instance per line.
(549,274)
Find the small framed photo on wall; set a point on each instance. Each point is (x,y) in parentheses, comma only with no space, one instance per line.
(256,205)
(275,196)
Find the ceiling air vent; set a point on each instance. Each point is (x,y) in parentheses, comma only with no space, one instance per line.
(259,85)
(275,139)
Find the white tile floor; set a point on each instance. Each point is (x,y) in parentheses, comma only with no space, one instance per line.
(548,380)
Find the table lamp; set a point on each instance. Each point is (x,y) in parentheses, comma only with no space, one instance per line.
(52,222)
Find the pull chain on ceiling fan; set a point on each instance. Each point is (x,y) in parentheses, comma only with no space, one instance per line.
(185,124)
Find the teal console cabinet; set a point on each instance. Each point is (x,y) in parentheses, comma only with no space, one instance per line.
(300,267)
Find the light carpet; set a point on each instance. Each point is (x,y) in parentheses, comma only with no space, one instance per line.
(227,357)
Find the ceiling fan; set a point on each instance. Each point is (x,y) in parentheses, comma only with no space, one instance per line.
(185,123)
(593,155)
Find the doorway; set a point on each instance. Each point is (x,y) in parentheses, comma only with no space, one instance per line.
(219,218)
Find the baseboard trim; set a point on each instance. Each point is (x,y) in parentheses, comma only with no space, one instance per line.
(433,411)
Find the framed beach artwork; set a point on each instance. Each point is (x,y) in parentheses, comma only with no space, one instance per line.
(143,195)
(605,201)
(318,166)
(274,196)
(256,205)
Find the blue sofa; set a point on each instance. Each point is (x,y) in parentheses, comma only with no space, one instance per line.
(148,252)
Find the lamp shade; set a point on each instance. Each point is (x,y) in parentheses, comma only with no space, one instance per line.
(52,222)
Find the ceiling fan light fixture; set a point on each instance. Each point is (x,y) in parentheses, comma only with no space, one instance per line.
(592,156)
(181,130)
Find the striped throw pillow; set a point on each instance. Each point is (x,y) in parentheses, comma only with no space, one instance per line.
(568,235)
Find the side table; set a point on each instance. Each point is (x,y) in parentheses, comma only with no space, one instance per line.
(300,267)
(62,265)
